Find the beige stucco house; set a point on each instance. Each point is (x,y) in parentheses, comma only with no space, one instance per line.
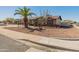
(54,20)
(48,21)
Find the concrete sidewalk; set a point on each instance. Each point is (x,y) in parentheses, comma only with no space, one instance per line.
(51,42)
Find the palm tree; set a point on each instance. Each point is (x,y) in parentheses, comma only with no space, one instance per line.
(25,12)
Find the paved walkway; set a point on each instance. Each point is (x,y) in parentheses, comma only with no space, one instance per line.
(51,42)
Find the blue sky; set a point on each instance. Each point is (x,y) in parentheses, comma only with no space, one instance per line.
(66,12)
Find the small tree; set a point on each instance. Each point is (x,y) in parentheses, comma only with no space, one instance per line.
(9,20)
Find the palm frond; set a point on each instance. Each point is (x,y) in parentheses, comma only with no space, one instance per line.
(20,9)
(24,12)
(31,13)
(16,13)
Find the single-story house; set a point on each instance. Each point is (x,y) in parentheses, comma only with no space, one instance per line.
(54,20)
(48,21)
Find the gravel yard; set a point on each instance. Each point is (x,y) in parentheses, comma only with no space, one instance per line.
(50,32)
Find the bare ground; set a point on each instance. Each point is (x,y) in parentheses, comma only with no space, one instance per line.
(50,32)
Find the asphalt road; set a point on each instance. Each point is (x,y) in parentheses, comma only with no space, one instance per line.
(10,45)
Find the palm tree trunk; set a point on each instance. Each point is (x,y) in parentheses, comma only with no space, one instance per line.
(25,22)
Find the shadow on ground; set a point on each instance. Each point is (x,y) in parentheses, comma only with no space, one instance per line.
(69,39)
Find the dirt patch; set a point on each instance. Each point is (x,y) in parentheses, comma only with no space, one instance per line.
(50,32)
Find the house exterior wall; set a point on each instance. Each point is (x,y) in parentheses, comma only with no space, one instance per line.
(58,22)
(54,22)
(48,22)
